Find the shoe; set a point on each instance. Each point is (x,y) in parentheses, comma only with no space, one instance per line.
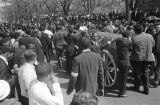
(100,92)
(122,95)
(146,91)
(151,86)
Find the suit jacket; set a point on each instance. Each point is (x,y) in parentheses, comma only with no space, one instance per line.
(89,67)
(45,41)
(5,73)
(123,46)
(142,48)
(39,50)
(95,48)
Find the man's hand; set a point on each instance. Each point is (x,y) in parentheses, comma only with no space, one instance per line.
(15,69)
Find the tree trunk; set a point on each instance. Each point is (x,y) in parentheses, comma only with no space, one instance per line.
(128,12)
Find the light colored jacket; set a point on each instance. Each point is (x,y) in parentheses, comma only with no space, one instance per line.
(142,47)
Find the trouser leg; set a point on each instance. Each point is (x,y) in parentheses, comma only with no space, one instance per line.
(68,63)
(136,73)
(145,76)
(47,56)
(123,74)
(157,72)
(24,100)
(18,88)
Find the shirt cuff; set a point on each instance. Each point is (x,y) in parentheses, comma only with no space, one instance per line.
(74,74)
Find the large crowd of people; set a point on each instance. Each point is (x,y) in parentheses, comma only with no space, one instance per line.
(26,50)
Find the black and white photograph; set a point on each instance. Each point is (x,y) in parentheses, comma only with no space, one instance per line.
(79,52)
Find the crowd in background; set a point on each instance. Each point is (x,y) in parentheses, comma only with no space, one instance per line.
(27,47)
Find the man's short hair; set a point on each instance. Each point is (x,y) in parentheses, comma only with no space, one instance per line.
(84,98)
(126,34)
(29,55)
(85,43)
(43,69)
(138,28)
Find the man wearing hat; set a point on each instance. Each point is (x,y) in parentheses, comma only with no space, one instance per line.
(123,46)
(45,90)
(87,70)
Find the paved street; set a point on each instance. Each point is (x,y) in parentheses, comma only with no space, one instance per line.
(110,97)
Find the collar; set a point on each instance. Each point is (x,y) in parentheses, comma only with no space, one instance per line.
(4,59)
(30,65)
(140,33)
(86,50)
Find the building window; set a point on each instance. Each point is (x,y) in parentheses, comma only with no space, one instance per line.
(144,1)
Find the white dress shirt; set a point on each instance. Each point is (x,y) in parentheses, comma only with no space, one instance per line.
(26,75)
(83,28)
(49,33)
(39,94)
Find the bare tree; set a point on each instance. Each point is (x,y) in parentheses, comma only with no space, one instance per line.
(65,4)
(130,6)
(87,5)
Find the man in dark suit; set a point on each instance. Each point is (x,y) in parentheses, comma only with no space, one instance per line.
(45,41)
(87,70)
(123,46)
(5,71)
(38,45)
(70,50)
(95,46)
